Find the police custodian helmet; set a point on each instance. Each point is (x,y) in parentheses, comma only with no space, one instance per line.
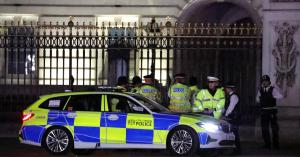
(265,78)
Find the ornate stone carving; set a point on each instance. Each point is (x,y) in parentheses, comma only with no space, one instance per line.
(285,53)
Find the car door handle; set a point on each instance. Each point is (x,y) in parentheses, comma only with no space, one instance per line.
(71,115)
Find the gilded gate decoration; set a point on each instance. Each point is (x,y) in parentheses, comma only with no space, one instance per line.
(285,53)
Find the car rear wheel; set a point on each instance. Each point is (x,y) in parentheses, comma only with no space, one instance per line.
(57,140)
(182,141)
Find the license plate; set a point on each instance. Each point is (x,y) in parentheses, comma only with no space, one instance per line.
(230,137)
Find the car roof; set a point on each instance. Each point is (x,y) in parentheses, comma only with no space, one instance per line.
(84,93)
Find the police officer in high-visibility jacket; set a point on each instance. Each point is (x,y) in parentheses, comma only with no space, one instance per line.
(180,95)
(210,101)
(148,89)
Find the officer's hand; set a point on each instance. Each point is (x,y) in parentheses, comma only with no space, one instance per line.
(227,119)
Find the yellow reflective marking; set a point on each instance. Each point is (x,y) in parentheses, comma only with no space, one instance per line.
(191,121)
(102,103)
(187,120)
(103,135)
(116,135)
(106,103)
(139,121)
(66,103)
(160,136)
(40,118)
(71,129)
(85,118)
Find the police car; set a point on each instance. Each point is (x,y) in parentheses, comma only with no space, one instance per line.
(101,120)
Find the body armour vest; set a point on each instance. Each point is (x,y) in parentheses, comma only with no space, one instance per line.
(266,98)
(235,112)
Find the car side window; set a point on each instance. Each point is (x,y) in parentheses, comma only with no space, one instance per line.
(117,103)
(56,103)
(90,102)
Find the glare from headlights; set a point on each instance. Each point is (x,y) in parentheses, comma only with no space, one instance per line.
(210,127)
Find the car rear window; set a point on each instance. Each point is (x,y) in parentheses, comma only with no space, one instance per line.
(87,102)
(56,103)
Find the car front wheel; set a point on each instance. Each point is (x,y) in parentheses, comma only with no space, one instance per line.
(57,140)
(182,141)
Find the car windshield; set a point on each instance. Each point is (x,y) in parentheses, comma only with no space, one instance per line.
(150,104)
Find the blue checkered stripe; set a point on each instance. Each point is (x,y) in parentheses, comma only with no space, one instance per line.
(34,133)
(92,133)
(142,136)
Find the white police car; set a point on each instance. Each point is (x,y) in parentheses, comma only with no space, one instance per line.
(101,120)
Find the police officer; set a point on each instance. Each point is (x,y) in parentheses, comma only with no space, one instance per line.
(266,97)
(136,84)
(180,95)
(149,90)
(193,87)
(210,100)
(232,113)
(122,83)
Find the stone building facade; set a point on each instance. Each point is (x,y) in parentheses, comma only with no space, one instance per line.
(280,20)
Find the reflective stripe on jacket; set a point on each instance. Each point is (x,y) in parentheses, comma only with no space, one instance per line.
(150,92)
(180,96)
(204,100)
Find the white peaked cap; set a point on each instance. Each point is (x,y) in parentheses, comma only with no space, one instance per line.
(212,78)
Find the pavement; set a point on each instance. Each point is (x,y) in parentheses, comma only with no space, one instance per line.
(250,137)
(11,147)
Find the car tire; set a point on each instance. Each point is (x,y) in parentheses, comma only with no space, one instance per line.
(182,140)
(57,140)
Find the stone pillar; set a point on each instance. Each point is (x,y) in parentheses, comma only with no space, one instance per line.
(281,57)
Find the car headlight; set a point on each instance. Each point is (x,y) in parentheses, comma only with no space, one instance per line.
(210,127)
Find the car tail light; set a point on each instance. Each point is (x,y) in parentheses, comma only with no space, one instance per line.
(27,116)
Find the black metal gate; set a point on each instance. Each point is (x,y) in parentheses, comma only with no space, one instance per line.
(42,58)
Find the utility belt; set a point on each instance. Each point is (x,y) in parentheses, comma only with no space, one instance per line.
(181,105)
(178,98)
(211,99)
(206,109)
(269,108)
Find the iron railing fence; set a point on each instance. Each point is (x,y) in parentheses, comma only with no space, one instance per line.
(40,58)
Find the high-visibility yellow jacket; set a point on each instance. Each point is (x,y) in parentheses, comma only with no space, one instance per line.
(150,92)
(194,91)
(205,100)
(135,89)
(180,96)
(123,89)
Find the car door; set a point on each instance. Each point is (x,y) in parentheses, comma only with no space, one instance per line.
(85,109)
(127,122)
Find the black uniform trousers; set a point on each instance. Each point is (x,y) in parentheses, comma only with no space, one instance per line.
(235,129)
(269,117)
